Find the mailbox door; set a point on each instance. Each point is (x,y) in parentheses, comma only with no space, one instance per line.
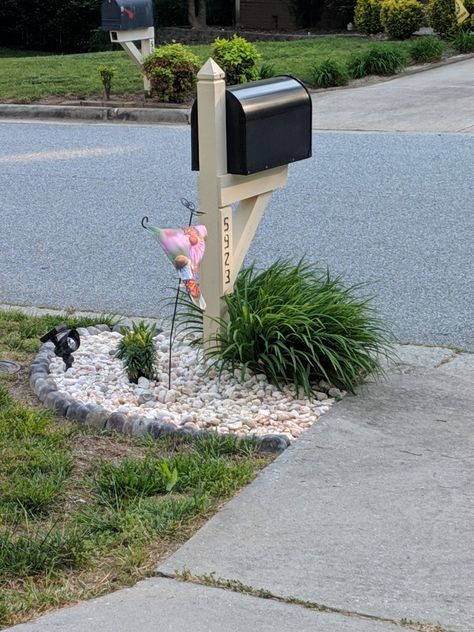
(136,14)
(124,15)
(268,125)
(111,16)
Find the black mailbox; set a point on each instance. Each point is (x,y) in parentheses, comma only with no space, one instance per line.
(123,15)
(268,125)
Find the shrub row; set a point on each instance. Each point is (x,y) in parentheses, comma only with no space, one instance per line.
(377,60)
(172,68)
(401,18)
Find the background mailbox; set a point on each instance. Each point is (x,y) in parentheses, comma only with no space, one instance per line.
(268,125)
(123,15)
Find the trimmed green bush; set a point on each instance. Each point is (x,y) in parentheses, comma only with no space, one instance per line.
(377,60)
(442,17)
(464,42)
(426,49)
(329,73)
(401,18)
(106,74)
(172,70)
(297,325)
(137,351)
(237,58)
(367,16)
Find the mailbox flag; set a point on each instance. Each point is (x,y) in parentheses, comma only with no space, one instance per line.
(185,248)
(461,12)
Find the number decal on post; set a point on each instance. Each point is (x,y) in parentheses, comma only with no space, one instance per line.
(226,231)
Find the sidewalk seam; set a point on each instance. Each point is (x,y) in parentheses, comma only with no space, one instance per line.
(210,580)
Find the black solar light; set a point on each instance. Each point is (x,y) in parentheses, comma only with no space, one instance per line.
(65,341)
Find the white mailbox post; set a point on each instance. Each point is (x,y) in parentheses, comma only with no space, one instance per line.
(130,21)
(229,232)
(127,39)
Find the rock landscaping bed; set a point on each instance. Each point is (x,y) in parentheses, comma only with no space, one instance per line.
(97,392)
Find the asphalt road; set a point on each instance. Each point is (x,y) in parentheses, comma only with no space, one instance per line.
(391,210)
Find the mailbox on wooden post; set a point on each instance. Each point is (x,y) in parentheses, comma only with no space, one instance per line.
(129,21)
(268,124)
(242,140)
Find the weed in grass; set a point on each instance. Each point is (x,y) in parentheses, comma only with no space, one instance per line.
(4,609)
(215,476)
(5,397)
(40,553)
(464,42)
(297,325)
(426,49)
(267,71)
(33,496)
(129,480)
(378,60)
(216,445)
(329,73)
(19,422)
(133,478)
(22,332)
(142,518)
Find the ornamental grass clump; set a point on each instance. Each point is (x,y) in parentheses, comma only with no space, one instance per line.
(377,60)
(329,73)
(426,49)
(137,351)
(298,325)
(464,42)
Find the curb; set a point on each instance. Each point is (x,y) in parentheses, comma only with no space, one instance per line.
(178,116)
(92,415)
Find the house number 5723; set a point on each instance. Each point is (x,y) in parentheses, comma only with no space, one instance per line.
(226,250)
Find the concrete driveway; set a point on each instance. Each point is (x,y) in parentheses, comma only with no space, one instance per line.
(439,100)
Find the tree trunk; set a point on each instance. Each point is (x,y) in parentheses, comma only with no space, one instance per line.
(197,19)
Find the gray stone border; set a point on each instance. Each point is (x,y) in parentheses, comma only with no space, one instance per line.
(93,415)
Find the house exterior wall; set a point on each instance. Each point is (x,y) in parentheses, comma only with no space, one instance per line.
(266,15)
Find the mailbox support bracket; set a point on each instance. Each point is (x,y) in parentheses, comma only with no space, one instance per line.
(229,232)
(126,40)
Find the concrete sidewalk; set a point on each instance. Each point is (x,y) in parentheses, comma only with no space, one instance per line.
(365,523)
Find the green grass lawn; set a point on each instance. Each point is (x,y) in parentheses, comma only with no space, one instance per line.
(24,79)
(82,512)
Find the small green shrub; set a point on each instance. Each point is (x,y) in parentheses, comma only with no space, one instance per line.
(237,58)
(442,17)
(106,74)
(377,60)
(172,70)
(329,73)
(296,325)
(426,49)
(464,42)
(137,351)
(401,18)
(367,16)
